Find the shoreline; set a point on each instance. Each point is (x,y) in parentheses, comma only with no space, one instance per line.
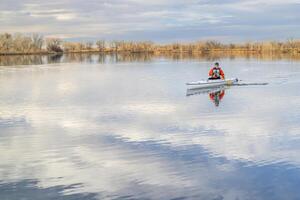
(102,57)
(157,52)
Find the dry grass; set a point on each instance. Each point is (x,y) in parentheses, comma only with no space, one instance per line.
(33,44)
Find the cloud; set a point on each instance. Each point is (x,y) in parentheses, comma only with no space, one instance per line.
(166,20)
(38,11)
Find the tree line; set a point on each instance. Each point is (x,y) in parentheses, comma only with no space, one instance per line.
(35,43)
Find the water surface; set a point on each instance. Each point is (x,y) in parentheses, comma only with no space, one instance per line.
(107,128)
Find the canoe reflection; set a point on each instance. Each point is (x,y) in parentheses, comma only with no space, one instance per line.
(215,94)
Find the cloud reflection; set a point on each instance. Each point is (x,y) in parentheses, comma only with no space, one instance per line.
(129,141)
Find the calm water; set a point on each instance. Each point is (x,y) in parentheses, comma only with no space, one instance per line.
(107,128)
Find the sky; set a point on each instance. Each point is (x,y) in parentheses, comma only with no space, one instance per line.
(155,20)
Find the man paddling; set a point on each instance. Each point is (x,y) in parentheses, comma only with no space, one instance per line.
(216,72)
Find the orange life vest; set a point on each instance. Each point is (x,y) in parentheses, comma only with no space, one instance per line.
(216,73)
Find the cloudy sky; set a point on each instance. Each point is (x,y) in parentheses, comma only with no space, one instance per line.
(157,20)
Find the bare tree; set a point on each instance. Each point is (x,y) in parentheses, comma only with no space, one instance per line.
(89,45)
(69,46)
(37,42)
(17,42)
(101,45)
(80,46)
(6,42)
(54,45)
(26,44)
(115,45)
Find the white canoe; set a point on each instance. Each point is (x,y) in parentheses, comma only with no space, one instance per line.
(196,91)
(211,83)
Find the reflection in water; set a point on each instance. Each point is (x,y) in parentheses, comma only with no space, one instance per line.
(55,58)
(217,96)
(74,58)
(132,57)
(30,189)
(126,131)
(23,60)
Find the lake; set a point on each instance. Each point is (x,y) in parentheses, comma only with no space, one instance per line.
(125,127)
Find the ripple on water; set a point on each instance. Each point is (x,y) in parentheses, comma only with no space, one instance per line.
(74,132)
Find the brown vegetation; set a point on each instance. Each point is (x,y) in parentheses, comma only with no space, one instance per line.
(22,44)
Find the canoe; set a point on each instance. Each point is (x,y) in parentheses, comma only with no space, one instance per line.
(211,83)
(197,91)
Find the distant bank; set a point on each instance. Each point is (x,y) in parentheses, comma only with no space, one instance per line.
(19,44)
